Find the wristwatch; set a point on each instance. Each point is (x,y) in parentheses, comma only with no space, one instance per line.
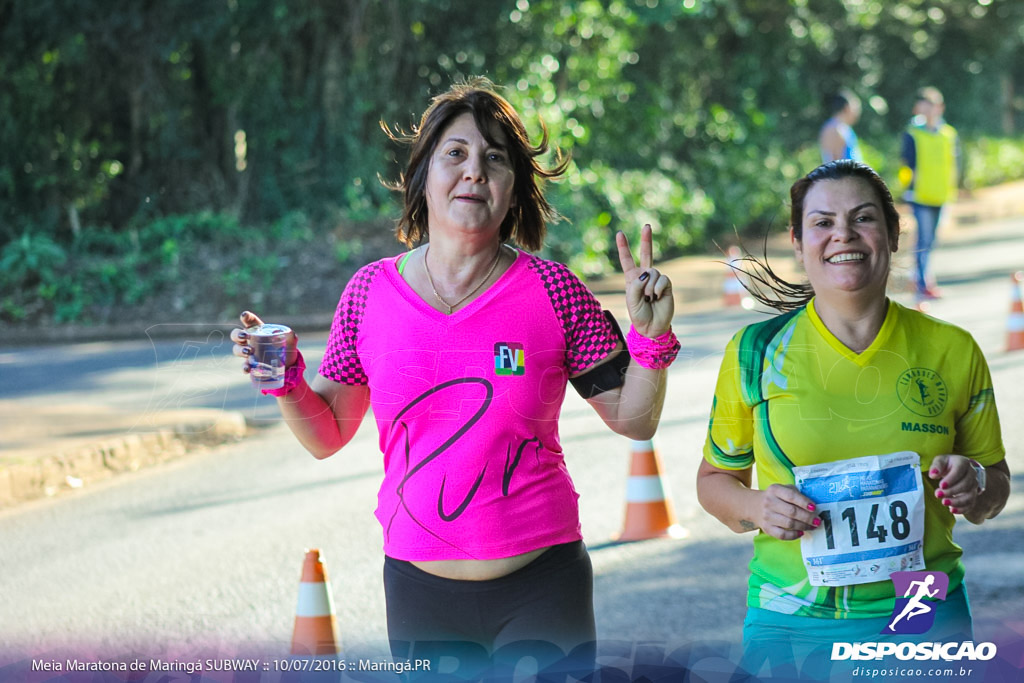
(980,474)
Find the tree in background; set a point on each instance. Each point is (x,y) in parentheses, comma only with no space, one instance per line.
(117,116)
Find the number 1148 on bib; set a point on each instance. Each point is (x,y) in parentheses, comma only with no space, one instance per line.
(872,514)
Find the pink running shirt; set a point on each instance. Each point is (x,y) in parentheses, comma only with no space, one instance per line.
(467,406)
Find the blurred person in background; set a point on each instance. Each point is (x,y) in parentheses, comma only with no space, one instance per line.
(931,169)
(836,138)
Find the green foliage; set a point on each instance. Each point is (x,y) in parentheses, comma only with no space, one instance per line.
(238,128)
(601,201)
(254,273)
(169,234)
(106,269)
(30,259)
(347,251)
(68,298)
(991,161)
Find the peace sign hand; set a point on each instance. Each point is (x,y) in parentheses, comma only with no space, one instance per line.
(648,292)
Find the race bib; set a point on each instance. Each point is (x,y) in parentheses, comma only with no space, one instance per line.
(872,518)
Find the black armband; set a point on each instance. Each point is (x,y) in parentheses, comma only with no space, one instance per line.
(608,375)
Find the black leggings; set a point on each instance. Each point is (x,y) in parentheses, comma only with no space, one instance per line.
(544,608)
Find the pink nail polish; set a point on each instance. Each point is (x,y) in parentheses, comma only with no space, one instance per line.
(816,522)
(799,533)
(811,507)
(947,502)
(955,511)
(942,485)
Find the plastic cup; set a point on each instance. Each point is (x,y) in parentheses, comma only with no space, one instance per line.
(267,362)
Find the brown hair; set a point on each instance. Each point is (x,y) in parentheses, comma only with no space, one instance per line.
(781,294)
(526,221)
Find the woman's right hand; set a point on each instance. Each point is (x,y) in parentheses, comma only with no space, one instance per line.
(785,513)
(241,348)
(649,299)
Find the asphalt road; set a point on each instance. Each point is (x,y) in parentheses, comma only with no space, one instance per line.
(202,556)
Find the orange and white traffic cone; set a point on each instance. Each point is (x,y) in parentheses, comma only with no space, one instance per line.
(732,289)
(648,510)
(1015,324)
(316,631)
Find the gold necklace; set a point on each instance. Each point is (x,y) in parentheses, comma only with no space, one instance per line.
(497,257)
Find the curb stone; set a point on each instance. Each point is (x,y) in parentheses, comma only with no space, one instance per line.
(48,476)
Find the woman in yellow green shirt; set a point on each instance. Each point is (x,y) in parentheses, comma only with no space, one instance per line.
(871,427)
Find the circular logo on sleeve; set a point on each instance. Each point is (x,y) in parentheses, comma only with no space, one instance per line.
(922,391)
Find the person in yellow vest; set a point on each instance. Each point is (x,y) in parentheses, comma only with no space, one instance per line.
(930,173)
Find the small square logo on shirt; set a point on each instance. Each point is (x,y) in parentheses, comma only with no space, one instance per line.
(509,359)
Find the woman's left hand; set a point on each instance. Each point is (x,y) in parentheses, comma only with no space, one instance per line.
(648,292)
(957,482)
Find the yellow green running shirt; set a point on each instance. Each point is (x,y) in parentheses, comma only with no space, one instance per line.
(789,394)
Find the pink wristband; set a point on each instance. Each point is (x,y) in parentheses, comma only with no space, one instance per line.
(653,354)
(292,375)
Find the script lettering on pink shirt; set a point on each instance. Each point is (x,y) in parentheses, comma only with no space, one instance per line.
(411,468)
(414,465)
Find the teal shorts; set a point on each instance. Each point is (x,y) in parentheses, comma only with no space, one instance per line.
(789,645)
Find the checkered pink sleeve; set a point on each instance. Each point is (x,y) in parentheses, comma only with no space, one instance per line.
(341,361)
(589,335)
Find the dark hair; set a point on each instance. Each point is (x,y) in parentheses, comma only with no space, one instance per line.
(781,294)
(526,221)
(929,94)
(837,101)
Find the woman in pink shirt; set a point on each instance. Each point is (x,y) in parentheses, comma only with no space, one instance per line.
(464,346)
